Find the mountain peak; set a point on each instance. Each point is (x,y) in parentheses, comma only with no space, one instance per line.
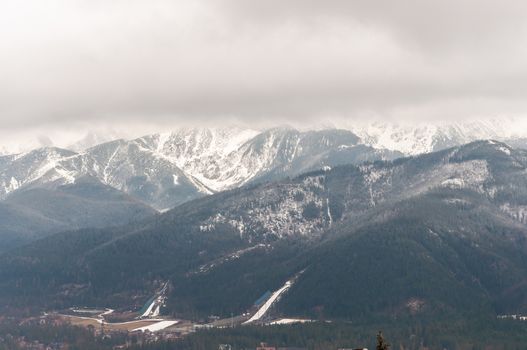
(167,169)
(417,138)
(484,149)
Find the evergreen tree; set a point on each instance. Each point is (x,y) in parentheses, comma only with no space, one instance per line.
(381,343)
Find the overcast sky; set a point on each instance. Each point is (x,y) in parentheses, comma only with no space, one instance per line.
(156,63)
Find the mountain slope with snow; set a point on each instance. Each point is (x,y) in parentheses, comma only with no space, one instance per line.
(419,137)
(165,170)
(446,231)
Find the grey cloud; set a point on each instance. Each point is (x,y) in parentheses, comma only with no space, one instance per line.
(428,23)
(82,62)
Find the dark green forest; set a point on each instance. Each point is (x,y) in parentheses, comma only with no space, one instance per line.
(408,335)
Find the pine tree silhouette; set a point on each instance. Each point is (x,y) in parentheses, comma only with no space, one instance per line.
(381,343)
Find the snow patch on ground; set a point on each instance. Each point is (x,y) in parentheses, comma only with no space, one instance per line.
(453,183)
(13,185)
(505,150)
(280,212)
(517,212)
(155,327)
(290,321)
(472,174)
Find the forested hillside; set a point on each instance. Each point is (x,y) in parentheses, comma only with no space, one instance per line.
(439,235)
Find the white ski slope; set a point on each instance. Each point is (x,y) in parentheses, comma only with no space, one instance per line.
(148,311)
(156,326)
(265,307)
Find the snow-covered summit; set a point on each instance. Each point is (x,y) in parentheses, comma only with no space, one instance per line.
(414,138)
(166,169)
(210,155)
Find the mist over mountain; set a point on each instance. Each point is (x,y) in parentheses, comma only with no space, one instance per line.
(405,136)
(34,212)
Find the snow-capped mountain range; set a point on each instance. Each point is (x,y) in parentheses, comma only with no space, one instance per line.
(424,137)
(166,169)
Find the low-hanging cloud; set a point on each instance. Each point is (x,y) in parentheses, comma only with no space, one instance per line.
(82,62)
